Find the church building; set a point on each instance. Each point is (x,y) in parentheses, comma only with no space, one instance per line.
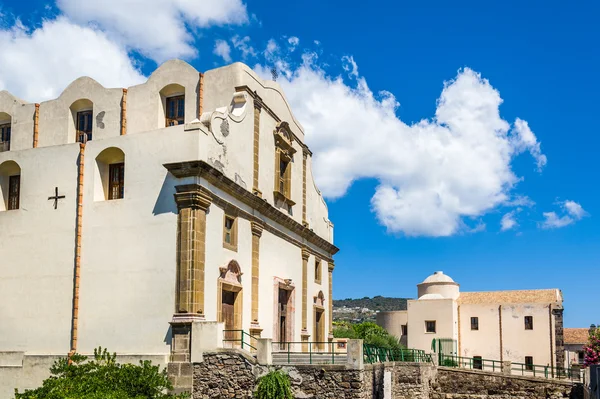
(128,214)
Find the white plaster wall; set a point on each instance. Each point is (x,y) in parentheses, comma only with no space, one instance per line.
(447,290)
(56,122)
(443,311)
(484,342)
(518,342)
(316,208)
(393,321)
(21,120)
(128,267)
(144,106)
(37,253)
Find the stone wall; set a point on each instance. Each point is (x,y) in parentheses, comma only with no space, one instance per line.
(467,384)
(233,374)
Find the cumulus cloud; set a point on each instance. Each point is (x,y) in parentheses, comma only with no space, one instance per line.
(242,44)
(223,50)
(293,43)
(508,221)
(572,212)
(432,174)
(156,28)
(38,64)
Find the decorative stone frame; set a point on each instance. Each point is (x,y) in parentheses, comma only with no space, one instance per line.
(318,271)
(284,151)
(319,307)
(5,123)
(288,285)
(9,169)
(230,279)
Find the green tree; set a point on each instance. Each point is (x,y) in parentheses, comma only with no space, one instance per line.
(102,378)
(591,351)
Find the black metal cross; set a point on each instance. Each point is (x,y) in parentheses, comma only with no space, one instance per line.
(56,197)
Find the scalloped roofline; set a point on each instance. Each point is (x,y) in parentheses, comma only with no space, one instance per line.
(9,94)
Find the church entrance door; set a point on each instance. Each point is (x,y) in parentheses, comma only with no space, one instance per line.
(319,328)
(228,315)
(282,318)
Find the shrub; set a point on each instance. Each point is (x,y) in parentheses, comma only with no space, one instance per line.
(274,385)
(102,378)
(591,351)
(449,363)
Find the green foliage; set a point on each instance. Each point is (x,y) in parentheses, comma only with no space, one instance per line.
(370,333)
(274,385)
(102,378)
(449,363)
(591,351)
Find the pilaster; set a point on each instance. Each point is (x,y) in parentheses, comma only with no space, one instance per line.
(330,267)
(124,113)
(257,229)
(304,158)
(258,105)
(305,335)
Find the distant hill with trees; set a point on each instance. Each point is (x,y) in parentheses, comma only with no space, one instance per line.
(365,309)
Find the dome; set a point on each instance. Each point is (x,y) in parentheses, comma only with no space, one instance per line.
(438,277)
(431,296)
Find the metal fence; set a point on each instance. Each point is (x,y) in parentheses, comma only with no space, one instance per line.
(375,354)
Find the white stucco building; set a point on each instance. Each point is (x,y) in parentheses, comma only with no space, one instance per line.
(127,214)
(518,326)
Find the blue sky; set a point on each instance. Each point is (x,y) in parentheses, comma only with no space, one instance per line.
(407,198)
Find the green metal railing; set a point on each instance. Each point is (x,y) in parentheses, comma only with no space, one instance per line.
(241,337)
(473,363)
(322,351)
(376,354)
(536,370)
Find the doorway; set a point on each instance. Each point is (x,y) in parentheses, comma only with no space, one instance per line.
(228,317)
(282,318)
(319,328)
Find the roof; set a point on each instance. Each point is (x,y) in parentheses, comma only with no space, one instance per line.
(522,296)
(438,277)
(576,335)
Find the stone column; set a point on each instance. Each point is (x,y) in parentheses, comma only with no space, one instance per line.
(258,104)
(304,157)
(304,334)
(257,229)
(192,203)
(330,267)
(559,342)
(506,367)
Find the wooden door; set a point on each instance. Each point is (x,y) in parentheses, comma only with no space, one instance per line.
(282,318)
(318,333)
(228,314)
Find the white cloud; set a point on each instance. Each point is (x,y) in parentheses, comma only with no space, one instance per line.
(37,65)
(156,28)
(431,174)
(293,42)
(520,200)
(272,48)
(508,221)
(573,212)
(223,50)
(243,45)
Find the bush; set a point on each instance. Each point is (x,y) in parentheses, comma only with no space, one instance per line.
(370,333)
(102,378)
(591,351)
(274,385)
(449,363)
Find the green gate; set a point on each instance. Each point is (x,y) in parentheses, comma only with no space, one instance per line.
(444,347)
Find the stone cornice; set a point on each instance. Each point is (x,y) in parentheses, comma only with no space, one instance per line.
(213,176)
(257,228)
(189,196)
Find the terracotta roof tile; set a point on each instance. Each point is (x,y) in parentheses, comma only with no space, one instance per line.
(523,296)
(576,335)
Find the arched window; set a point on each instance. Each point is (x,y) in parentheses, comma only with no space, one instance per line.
(10,186)
(82,112)
(173,102)
(5,130)
(109,177)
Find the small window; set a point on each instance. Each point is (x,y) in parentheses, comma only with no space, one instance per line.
(317,271)
(116,175)
(175,111)
(283,166)
(477,363)
(404,329)
(529,322)
(84,126)
(5,137)
(430,326)
(580,357)
(529,363)
(474,323)
(14,192)
(230,233)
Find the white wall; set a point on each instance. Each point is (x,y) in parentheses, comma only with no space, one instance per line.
(443,311)
(484,342)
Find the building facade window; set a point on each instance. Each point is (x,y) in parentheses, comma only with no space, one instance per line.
(5,130)
(116,182)
(230,232)
(580,357)
(284,153)
(474,323)
(84,126)
(175,111)
(529,363)
(430,326)
(317,271)
(529,322)
(14,192)
(404,329)
(477,362)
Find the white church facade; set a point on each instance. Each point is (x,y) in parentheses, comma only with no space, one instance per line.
(128,214)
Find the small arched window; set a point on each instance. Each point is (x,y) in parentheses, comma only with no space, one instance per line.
(83,113)
(109,177)
(173,101)
(5,131)
(10,186)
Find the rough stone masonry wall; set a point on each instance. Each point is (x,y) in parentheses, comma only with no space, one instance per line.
(229,374)
(467,384)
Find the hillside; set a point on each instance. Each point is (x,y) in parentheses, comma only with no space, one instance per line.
(365,309)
